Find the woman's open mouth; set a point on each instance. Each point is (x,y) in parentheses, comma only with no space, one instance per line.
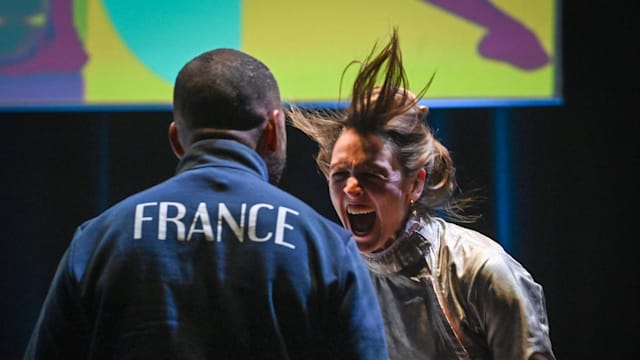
(361,219)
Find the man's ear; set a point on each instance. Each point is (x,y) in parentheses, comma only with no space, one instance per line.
(271,135)
(174,140)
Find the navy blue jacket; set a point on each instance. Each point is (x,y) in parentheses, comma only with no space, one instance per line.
(214,263)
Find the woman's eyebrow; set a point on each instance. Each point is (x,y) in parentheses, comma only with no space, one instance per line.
(339,165)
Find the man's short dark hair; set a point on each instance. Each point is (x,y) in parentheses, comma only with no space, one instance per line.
(225,89)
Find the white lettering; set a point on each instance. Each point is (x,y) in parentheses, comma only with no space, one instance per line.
(281,225)
(139,218)
(253,219)
(163,219)
(203,215)
(223,212)
(176,214)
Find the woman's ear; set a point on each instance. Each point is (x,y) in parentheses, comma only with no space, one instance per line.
(174,140)
(418,184)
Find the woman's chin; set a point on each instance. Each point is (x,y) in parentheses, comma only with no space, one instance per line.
(367,243)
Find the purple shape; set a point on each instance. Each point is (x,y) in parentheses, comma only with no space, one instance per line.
(60,52)
(506,40)
(42,89)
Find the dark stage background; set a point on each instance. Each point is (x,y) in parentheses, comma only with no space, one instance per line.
(571,186)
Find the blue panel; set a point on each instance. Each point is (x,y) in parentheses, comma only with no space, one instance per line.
(503,179)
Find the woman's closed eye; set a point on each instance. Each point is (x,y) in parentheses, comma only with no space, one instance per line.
(372,178)
(337,176)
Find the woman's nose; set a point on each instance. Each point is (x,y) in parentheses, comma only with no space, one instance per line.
(352,187)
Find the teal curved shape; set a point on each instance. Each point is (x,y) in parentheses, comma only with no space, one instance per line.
(165,34)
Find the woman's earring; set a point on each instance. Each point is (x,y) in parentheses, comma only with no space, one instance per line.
(412,207)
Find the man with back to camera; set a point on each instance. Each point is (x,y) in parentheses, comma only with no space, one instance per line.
(214,262)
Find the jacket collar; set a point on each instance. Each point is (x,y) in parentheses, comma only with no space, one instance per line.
(223,153)
(419,241)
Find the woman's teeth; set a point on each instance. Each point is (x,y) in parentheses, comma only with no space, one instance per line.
(361,220)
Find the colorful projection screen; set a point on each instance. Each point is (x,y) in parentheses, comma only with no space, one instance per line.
(84,54)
